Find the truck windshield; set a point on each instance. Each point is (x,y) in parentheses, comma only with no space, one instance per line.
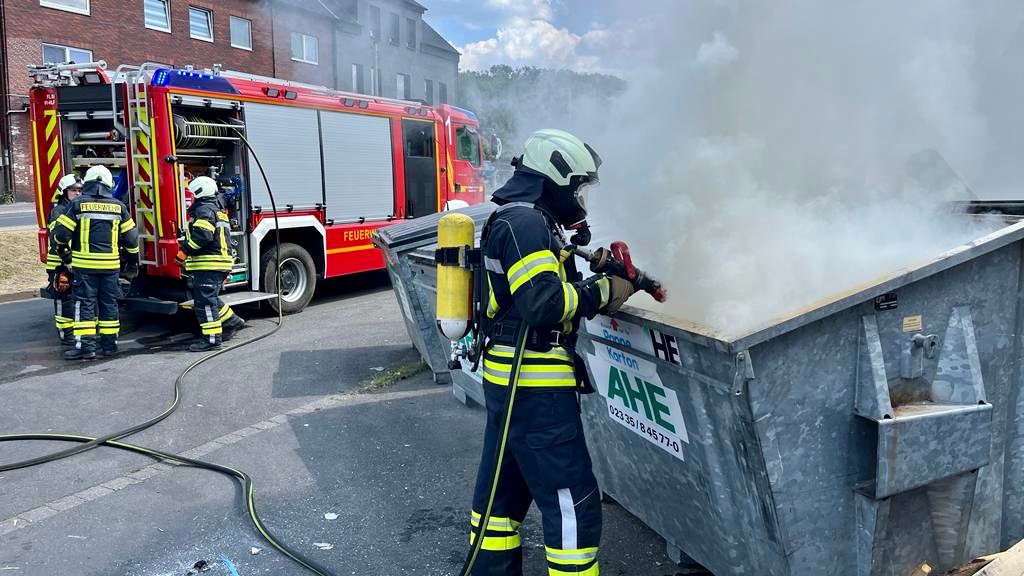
(468,145)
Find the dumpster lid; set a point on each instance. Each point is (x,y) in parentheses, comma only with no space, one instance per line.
(420,231)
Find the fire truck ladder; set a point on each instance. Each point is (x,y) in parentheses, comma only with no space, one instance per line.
(136,128)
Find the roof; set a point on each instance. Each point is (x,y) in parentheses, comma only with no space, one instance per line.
(341,10)
(432,38)
(415,5)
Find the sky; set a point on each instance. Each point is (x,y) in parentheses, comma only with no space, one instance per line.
(546,33)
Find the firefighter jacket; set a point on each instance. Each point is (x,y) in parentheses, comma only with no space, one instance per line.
(208,238)
(532,281)
(97,228)
(52,257)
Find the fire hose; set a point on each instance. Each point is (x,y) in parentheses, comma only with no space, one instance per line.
(112,440)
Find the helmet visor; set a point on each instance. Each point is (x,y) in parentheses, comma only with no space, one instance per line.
(583,192)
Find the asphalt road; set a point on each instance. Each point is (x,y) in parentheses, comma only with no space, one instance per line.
(17,215)
(363,481)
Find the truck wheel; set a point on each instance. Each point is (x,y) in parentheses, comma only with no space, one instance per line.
(298,277)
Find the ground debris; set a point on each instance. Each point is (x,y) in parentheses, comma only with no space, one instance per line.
(200,566)
(254,550)
(324,545)
(391,376)
(330,516)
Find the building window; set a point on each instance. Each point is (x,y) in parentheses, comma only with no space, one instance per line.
(396,33)
(410,33)
(375,23)
(428,91)
(404,87)
(76,6)
(200,24)
(241,33)
(57,54)
(304,48)
(375,82)
(357,79)
(158,15)
(442,93)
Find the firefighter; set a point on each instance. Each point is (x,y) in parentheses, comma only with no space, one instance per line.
(60,278)
(102,239)
(534,285)
(206,254)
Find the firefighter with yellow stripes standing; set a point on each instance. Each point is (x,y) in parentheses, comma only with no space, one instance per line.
(206,254)
(100,234)
(68,188)
(536,293)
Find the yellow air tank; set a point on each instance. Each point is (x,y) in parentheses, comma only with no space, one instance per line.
(454,281)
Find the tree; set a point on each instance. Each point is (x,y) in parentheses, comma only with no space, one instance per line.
(513,102)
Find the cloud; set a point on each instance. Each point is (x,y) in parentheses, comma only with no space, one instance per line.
(534,42)
(537,9)
(715,54)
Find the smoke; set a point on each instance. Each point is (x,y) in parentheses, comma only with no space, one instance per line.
(768,155)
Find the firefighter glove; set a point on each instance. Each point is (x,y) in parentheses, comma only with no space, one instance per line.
(61,280)
(180,258)
(619,291)
(130,269)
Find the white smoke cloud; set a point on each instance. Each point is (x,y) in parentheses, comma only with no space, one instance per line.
(782,178)
(769,155)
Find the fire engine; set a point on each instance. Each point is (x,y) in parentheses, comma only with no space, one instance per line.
(339,165)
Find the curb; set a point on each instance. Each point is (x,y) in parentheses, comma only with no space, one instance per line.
(15,296)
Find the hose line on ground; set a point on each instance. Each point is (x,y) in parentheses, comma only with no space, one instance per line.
(86,443)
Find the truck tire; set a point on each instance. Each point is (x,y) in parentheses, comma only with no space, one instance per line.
(298,277)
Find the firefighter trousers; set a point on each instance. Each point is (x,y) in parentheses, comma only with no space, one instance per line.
(96,295)
(211,312)
(63,310)
(546,461)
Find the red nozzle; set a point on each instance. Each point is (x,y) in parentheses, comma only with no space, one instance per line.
(620,251)
(660,294)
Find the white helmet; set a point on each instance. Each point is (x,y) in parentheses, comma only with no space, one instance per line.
(100,173)
(69,181)
(203,187)
(561,157)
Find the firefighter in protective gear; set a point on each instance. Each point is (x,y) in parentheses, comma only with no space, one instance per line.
(100,234)
(534,283)
(59,275)
(206,252)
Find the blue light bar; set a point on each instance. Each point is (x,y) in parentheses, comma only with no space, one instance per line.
(192,81)
(466,112)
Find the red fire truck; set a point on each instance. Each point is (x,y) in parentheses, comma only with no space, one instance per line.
(339,165)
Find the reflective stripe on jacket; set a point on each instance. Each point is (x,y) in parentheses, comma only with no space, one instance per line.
(531,282)
(208,238)
(97,229)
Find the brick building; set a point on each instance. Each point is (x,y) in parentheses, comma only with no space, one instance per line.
(333,43)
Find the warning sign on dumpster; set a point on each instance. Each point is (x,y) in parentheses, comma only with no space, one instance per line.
(637,399)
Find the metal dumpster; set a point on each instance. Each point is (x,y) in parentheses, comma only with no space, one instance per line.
(870,434)
(409,253)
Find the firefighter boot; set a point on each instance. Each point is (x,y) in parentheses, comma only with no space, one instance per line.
(204,344)
(86,350)
(67,337)
(108,346)
(232,325)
